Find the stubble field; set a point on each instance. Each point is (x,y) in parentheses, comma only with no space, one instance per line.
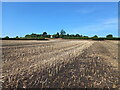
(60,64)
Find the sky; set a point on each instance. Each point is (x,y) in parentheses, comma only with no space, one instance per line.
(84,18)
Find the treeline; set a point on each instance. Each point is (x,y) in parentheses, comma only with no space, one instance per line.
(108,37)
(32,36)
(62,34)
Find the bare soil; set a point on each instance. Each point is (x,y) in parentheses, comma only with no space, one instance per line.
(60,64)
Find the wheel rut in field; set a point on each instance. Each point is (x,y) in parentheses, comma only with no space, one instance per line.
(87,70)
(37,73)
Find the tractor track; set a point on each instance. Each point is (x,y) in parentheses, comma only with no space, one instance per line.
(65,64)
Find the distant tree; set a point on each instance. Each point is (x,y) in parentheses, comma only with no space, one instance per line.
(85,36)
(44,34)
(6,37)
(16,37)
(21,37)
(95,36)
(67,34)
(109,36)
(62,32)
(33,34)
(77,35)
(57,33)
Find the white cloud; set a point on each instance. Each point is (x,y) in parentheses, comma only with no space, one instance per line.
(106,25)
(111,21)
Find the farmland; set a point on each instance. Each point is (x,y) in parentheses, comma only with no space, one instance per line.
(60,64)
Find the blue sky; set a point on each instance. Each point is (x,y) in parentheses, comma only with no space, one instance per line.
(86,18)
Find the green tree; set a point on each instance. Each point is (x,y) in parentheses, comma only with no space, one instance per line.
(62,32)
(77,35)
(109,36)
(95,36)
(6,37)
(44,34)
(57,35)
(16,37)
